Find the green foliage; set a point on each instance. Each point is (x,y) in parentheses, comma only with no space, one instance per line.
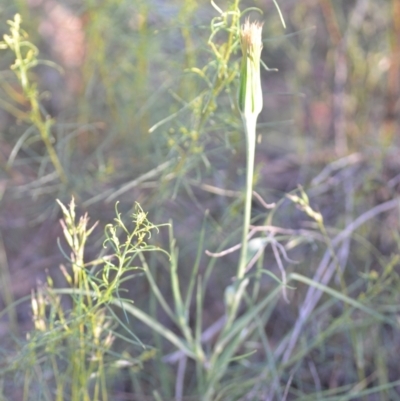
(25,59)
(69,352)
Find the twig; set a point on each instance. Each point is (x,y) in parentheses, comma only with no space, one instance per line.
(215,190)
(229,250)
(285,394)
(337,165)
(180,378)
(289,231)
(262,201)
(282,269)
(223,253)
(150,174)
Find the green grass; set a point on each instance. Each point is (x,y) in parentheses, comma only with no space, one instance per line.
(141,128)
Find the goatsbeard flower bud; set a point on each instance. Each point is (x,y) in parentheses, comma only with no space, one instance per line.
(250,105)
(250,93)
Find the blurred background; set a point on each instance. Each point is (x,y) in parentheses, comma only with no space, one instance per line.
(137,116)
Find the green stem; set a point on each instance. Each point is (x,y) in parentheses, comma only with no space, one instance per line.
(44,131)
(250,130)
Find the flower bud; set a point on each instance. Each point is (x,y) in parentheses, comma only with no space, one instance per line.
(250,93)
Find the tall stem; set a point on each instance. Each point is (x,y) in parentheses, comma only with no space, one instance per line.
(250,130)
